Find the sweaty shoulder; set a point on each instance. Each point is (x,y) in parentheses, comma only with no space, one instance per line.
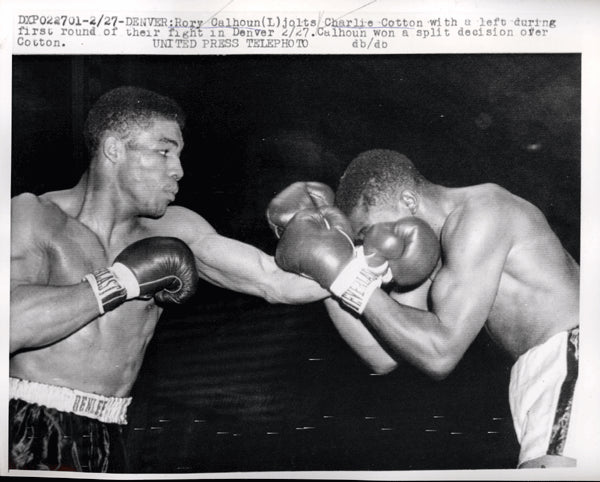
(515,211)
(180,222)
(31,215)
(34,223)
(489,210)
(24,203)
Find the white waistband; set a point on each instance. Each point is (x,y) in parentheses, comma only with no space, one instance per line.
(92,405)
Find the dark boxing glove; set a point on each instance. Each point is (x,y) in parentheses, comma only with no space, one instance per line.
(162,267)
(294,198)
(316,244)
(409,246)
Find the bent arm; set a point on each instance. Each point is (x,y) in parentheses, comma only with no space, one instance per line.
(462,296)
(415,335)
(360,339)
(41,315)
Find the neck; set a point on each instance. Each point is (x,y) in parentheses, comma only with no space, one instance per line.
(437,202)
(102,208)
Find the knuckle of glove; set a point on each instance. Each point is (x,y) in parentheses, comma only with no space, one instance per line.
(294,198)
(380,239)
(184,272)
(409,245)
(312,247)
(164,267)
(336,219)
(320,194)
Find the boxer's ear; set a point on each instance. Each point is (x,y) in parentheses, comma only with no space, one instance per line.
(410,200)
(112,148)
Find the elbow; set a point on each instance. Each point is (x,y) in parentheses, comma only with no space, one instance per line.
(438,376)
(440,367)
(20,336)
(270,297)
(443,356)
(380,363)
(16,344)
(383,368)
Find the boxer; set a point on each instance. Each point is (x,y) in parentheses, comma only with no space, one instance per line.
(92,269)
(408,247)
(400,255)
(502,267)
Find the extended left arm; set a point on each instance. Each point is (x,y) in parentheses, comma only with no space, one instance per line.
(235,265)
(241,267)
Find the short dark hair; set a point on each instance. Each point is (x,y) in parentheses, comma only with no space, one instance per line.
(377,176)
(122,108)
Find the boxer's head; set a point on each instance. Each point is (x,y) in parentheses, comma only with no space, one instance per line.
(135,139)
(379,185)
(124,110)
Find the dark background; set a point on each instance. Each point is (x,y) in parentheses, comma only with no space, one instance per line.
(231,383)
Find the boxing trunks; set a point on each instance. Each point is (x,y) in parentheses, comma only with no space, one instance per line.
(57,428)
(541,396)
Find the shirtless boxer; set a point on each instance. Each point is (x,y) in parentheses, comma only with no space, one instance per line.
(502,267)
(78,331)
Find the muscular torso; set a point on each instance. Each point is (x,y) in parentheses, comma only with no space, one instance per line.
(105,355)
(538,294)
(538,281)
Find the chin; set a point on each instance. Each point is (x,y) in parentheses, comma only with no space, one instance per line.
(155,213)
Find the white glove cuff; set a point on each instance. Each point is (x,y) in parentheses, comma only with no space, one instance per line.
(382,270)
(112,286)
(387,276)
(355,285)
(107,289)
(127,280)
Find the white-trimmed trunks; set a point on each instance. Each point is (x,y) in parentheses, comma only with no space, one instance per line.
(541,396)
(91,405)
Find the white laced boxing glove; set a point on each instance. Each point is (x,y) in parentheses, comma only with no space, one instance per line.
(316,244)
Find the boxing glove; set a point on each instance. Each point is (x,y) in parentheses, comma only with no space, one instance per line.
(162,267)
(409,246)
(316,244)
(294,198)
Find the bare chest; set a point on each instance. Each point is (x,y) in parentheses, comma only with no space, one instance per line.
(73,251)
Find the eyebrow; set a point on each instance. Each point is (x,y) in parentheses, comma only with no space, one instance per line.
(168,140)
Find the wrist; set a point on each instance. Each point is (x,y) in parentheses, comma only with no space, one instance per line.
(127,279)
(355,284)
(113,286)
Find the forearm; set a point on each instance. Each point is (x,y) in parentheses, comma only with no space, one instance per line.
(415,335)
(278,286)
(240,267)
(359,338)
(41,315)
(293,289)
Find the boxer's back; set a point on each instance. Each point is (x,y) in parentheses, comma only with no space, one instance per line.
(538,291)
